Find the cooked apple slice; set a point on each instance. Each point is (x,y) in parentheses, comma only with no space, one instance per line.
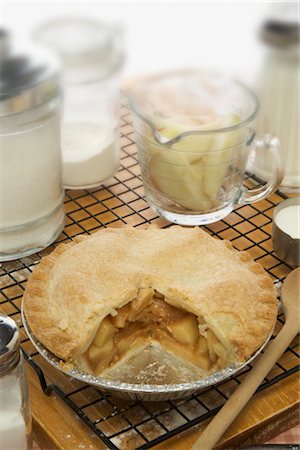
(143,299)
(105,333)
(202,346)
(185,330)
(95,353)
(216,349)
(220,351)
(123,345)
(103,364)
(120,319)
(211,341)
(204,361)
(201,349)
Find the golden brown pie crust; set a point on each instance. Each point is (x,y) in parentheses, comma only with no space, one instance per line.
(74,288)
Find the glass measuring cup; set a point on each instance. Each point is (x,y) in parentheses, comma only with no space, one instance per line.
(195,134)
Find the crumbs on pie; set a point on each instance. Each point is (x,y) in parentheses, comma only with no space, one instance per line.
(96,299)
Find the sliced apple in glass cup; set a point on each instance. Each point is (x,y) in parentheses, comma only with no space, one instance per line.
(191,170)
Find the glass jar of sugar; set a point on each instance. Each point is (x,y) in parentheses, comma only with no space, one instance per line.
(92,57)
(31,192)
(15,423)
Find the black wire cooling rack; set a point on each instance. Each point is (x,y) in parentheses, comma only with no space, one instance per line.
(124,424)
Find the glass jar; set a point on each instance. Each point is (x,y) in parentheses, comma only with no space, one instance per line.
(31,194)
(92,58)
(15,423)
(278,92)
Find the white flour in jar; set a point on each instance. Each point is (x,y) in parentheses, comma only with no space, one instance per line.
(12,424)
(90,154)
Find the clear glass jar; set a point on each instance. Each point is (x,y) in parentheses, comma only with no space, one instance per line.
(15,423)
(92,59)
(31,194)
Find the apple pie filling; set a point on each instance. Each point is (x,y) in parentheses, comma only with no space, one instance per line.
(151,318)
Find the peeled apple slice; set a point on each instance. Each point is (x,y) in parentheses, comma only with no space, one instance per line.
(172,175)
(218,160)
(191,171)
(170,129)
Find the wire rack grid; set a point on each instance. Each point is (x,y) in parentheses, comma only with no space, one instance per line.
(136,425)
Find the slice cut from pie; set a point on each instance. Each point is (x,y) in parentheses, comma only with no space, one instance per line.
(99,298)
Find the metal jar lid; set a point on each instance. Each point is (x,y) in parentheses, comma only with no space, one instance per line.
(280,34)
(282,28)
(9,344)
(29,76)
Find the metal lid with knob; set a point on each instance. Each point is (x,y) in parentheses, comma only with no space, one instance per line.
(9,344)
(282,27)
(29,75)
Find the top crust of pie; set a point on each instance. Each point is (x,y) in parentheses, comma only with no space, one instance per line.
(79,283)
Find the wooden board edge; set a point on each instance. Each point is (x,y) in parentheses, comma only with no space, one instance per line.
(265,431)
(259,432)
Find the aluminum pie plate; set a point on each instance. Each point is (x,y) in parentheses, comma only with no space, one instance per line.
(157,366)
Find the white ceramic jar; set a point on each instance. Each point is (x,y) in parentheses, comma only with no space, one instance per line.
(31,193)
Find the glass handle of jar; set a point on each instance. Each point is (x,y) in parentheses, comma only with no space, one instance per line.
(264,143)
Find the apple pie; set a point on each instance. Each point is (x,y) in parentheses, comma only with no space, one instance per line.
(98,298)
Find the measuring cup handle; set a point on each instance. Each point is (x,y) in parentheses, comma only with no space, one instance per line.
(266,143)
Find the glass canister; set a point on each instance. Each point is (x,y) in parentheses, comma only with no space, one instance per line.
(92,57)
(15,423)
(278,91)
(31,193)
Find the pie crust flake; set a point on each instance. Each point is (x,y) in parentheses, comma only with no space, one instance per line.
(99,297)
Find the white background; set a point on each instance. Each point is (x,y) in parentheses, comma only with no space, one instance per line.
(164,35)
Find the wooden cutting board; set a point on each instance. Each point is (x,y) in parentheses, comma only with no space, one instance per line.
(268,414)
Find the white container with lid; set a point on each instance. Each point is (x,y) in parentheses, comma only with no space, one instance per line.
(92,57)
(286,231)
(15,423)
(278,92)
(31,193)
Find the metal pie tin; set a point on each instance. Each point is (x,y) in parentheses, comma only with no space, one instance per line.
(145,392)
